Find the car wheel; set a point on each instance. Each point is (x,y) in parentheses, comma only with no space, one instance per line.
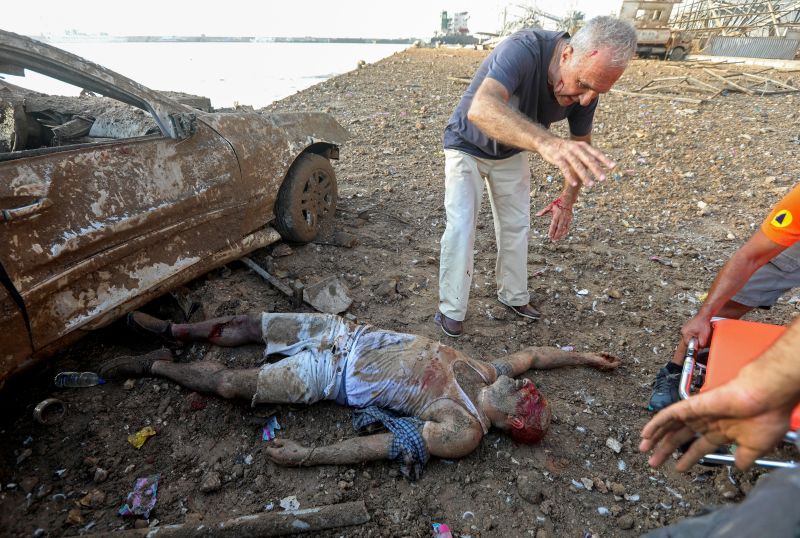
(306,199)
(677,54)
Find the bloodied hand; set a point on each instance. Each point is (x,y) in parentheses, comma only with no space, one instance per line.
(288,452)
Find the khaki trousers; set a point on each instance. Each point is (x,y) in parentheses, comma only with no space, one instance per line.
(509,183)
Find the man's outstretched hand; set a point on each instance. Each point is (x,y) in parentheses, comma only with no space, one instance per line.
(578,161)
(602,361)
(730,413)
(287,452)
(562,218)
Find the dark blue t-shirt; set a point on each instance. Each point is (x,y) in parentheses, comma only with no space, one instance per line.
(520,64)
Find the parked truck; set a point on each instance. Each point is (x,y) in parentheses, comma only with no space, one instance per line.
(655,36)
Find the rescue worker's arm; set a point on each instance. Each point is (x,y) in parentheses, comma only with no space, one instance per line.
(758,250)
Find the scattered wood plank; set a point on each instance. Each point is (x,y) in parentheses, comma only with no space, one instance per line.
(728,82)
(308,520)
(661,97)
(771,81)
(260,271)
(463,80)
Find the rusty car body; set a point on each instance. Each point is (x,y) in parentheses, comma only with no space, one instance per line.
(97,227)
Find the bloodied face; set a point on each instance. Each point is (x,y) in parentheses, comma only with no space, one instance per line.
(517,406)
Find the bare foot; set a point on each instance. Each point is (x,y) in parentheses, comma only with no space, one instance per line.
(602,361)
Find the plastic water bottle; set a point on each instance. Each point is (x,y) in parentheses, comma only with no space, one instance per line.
(78,379)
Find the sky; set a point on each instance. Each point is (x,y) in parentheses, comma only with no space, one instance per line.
(317,18)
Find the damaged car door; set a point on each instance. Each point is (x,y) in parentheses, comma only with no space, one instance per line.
(88,226)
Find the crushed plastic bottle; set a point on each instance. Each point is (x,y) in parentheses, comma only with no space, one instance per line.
(77,379)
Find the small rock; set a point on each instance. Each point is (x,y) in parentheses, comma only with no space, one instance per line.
(290,503)
(237,471)
(615,294)
(282,249)
(546,507)
(498,312)
(625,522)
(211,482)
(617,489)
(129,384)
(588,483)
(329,295)
(602,510)
(529,487)
(541,533)
(100,475)
(614,445)
(600,486)
(387,288)
(419,125)
(74,517)
(24,455)
(140,524)
(724,486)
(197,402)
(43,491)
(27,484)
(39,533)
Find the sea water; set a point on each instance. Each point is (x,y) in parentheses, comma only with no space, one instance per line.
(255,74)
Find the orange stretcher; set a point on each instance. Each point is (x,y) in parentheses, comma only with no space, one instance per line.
(734,344)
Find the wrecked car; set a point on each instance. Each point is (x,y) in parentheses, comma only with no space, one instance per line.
(112,198)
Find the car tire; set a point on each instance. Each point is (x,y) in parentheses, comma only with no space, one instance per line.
(306,199)
(677,54)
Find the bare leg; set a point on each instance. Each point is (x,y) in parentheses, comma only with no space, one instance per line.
(210,377)
(227,331)
(730,310)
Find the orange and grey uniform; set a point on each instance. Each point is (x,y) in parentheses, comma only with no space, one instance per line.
(782,273)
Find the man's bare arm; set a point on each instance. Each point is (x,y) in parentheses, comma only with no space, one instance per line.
(354,450)
(577,160)
(546,358)
(448,439)
(758,250)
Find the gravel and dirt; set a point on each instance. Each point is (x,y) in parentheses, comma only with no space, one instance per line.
(693,182)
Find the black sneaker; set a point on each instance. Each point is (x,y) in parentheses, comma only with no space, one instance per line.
(665,390)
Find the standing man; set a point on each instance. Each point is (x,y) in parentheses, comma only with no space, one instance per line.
(532,79)
(762,270)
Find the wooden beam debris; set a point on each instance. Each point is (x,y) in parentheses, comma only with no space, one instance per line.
(728,82)
(462,80)
(308,520)
(677,98)
(260,271)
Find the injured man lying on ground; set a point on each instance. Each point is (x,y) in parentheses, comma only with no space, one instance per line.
(432,399)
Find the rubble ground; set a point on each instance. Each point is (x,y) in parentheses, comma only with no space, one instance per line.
(693,183)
